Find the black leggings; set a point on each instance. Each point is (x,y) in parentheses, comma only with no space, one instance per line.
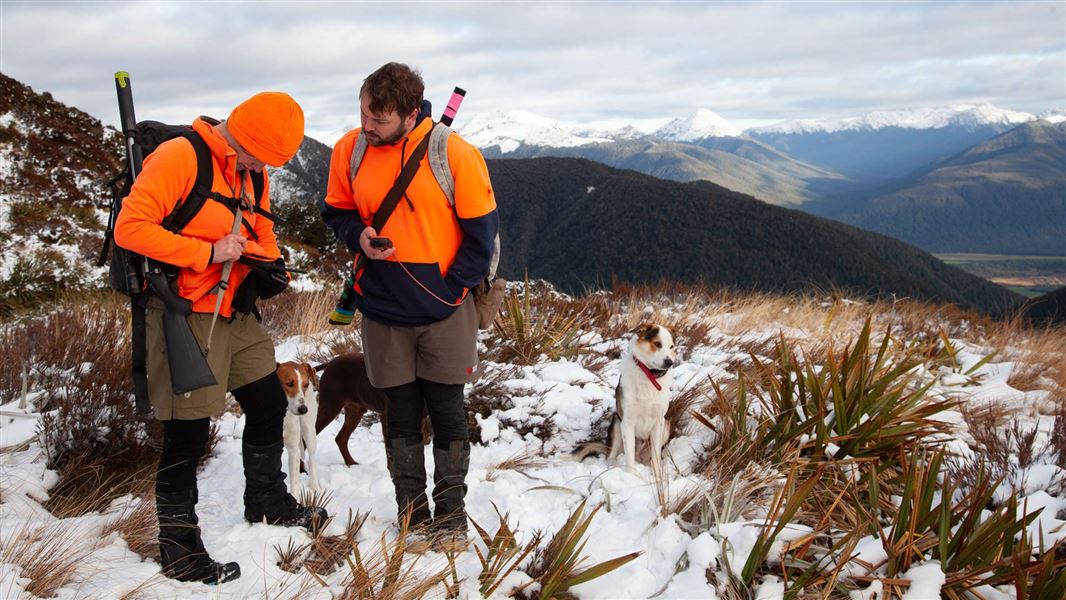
(185,442)
(443,401)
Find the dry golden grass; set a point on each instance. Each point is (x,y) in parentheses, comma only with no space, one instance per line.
(305,314)
(328,552)
(734,487)
(47,555)
(138,525)
(1038,354)
(290,557)
(521,462)
(144,588)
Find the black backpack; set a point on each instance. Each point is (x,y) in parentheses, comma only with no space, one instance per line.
(126,271)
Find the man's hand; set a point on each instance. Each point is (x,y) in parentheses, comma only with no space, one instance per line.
(229,248)
(370,251)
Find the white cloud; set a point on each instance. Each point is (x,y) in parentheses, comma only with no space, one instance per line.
(594,61)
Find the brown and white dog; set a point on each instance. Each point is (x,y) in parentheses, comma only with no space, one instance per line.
(298,431)
(643,396)
(345,386)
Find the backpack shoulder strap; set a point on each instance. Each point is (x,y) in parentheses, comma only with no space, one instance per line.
(257,187)
(438,160)
(187,208)
(358,151)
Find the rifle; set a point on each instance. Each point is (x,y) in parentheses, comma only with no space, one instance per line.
(188,366)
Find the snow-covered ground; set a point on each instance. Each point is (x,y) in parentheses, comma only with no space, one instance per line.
(540,497)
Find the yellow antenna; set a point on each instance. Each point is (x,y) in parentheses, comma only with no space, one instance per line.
(122,77)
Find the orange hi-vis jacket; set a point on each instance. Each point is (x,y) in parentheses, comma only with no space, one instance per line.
(441,251)
(168,175)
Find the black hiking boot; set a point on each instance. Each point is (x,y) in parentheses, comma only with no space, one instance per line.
(449,492)
(181,551)
(407,465)
(265,495)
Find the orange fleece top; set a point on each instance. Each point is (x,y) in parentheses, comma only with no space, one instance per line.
(441,251)
(168,176)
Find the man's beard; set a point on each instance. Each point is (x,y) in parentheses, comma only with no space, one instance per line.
(399,135)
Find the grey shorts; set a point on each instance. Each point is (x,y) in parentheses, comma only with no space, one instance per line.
(444,352)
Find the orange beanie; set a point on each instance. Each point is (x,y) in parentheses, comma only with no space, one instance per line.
(269,125)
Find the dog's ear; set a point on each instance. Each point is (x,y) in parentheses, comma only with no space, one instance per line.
(646,331)
(312,375)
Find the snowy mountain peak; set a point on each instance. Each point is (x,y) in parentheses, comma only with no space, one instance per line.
(1053,116)
(956,115)
(513,128)
(703,123)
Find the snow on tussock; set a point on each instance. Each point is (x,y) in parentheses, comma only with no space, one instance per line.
(574,395)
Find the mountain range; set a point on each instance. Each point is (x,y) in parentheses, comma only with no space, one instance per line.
(858,170)
(1005,195)
(581,224)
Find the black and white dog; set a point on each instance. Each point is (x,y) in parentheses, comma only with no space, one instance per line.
(643,396)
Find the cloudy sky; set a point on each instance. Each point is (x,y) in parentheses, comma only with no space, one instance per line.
(603,63)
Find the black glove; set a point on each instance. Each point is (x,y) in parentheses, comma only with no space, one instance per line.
(271,280)
(271,277)
(266,279)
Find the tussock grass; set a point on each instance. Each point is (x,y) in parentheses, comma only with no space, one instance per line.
(678,413)
(290,556)
(823,432)
(47,555)
(137,523)
(304,315)
(1038,354)
(521,462)
(328,552)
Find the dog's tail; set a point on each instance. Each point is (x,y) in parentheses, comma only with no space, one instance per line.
(321,367)
(590,449)
(598,448)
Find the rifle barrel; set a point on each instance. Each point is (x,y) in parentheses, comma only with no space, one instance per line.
(128,120)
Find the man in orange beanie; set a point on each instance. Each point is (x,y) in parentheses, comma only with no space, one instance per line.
(234,224)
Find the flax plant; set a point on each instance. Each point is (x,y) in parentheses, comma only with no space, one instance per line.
(533,324)
(936,520)
(861,405)
(382,574)
(557,566)
(502,556)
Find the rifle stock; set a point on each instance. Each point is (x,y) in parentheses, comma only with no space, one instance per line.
(188,367)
